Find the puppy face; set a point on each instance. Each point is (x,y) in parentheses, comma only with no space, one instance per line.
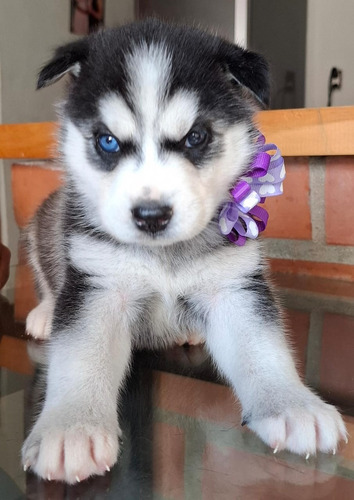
(155,131)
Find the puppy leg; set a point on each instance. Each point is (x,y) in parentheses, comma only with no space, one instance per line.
(76,435)
(43,241)
(39,320)
(250,349)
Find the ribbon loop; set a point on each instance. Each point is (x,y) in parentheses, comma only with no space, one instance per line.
(242,218)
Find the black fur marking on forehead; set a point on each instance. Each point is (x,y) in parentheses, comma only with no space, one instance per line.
(207,64)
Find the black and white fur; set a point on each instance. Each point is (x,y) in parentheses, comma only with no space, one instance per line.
(106,284)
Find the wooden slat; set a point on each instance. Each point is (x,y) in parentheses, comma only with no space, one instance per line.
(28,140)
(297,132)
(310,132)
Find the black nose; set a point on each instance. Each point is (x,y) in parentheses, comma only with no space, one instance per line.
(152,218)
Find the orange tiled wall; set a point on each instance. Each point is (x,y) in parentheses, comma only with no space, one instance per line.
(311,230)
(339,191)
(295,203)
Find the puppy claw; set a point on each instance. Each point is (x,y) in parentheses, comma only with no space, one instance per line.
(26,467)
(276,449)
(334,452)
(307,456)
(49,478)
(77,479)
(107,468)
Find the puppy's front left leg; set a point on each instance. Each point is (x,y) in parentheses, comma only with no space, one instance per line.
(246,339)
(76,434)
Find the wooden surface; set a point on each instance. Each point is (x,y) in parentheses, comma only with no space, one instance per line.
(310,132)
(28,140)
(297,132)
(31,184)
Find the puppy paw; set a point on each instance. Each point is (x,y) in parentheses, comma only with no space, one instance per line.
(303,430)
(39,321)
(70,454)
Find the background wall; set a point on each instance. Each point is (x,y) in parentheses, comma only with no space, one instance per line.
(219,16)
(330,40)
(29,31)
(278,31)
(309,231)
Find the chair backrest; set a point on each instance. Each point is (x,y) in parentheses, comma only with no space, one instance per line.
(297,132)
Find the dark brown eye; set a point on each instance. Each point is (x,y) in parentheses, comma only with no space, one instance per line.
(196,137)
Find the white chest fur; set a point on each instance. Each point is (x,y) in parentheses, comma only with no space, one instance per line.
(131,275)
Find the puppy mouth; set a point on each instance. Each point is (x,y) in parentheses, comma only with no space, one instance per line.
(153,230)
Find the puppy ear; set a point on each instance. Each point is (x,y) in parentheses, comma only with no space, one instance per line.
(249,70)
(66,59)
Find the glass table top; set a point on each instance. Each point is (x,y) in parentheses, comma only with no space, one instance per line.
(182,434)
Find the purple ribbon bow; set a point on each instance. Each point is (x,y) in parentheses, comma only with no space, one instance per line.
(242,218)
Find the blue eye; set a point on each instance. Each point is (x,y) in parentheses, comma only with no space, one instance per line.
(108,143)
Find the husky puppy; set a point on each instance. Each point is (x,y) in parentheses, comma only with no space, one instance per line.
(155,130)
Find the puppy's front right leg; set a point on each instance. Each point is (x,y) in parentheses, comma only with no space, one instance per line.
(76,435)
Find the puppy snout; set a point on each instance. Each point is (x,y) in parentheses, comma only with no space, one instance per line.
(152,217)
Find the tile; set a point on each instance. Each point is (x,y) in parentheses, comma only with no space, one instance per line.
(307,283)
(168,461)
(289,214)
(298,324)
(339,188)
(229,473)
(347,450)
(12,427)
(337,356)
(8,487)
(192,445)
(195,398)
(330,270)
(12,381)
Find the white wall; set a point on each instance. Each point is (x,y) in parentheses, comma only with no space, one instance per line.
(29,31)
(119,12)
(215,15)
(330,42)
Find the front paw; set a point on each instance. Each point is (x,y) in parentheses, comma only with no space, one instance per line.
(302,428)
(39,320)
(70,452)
